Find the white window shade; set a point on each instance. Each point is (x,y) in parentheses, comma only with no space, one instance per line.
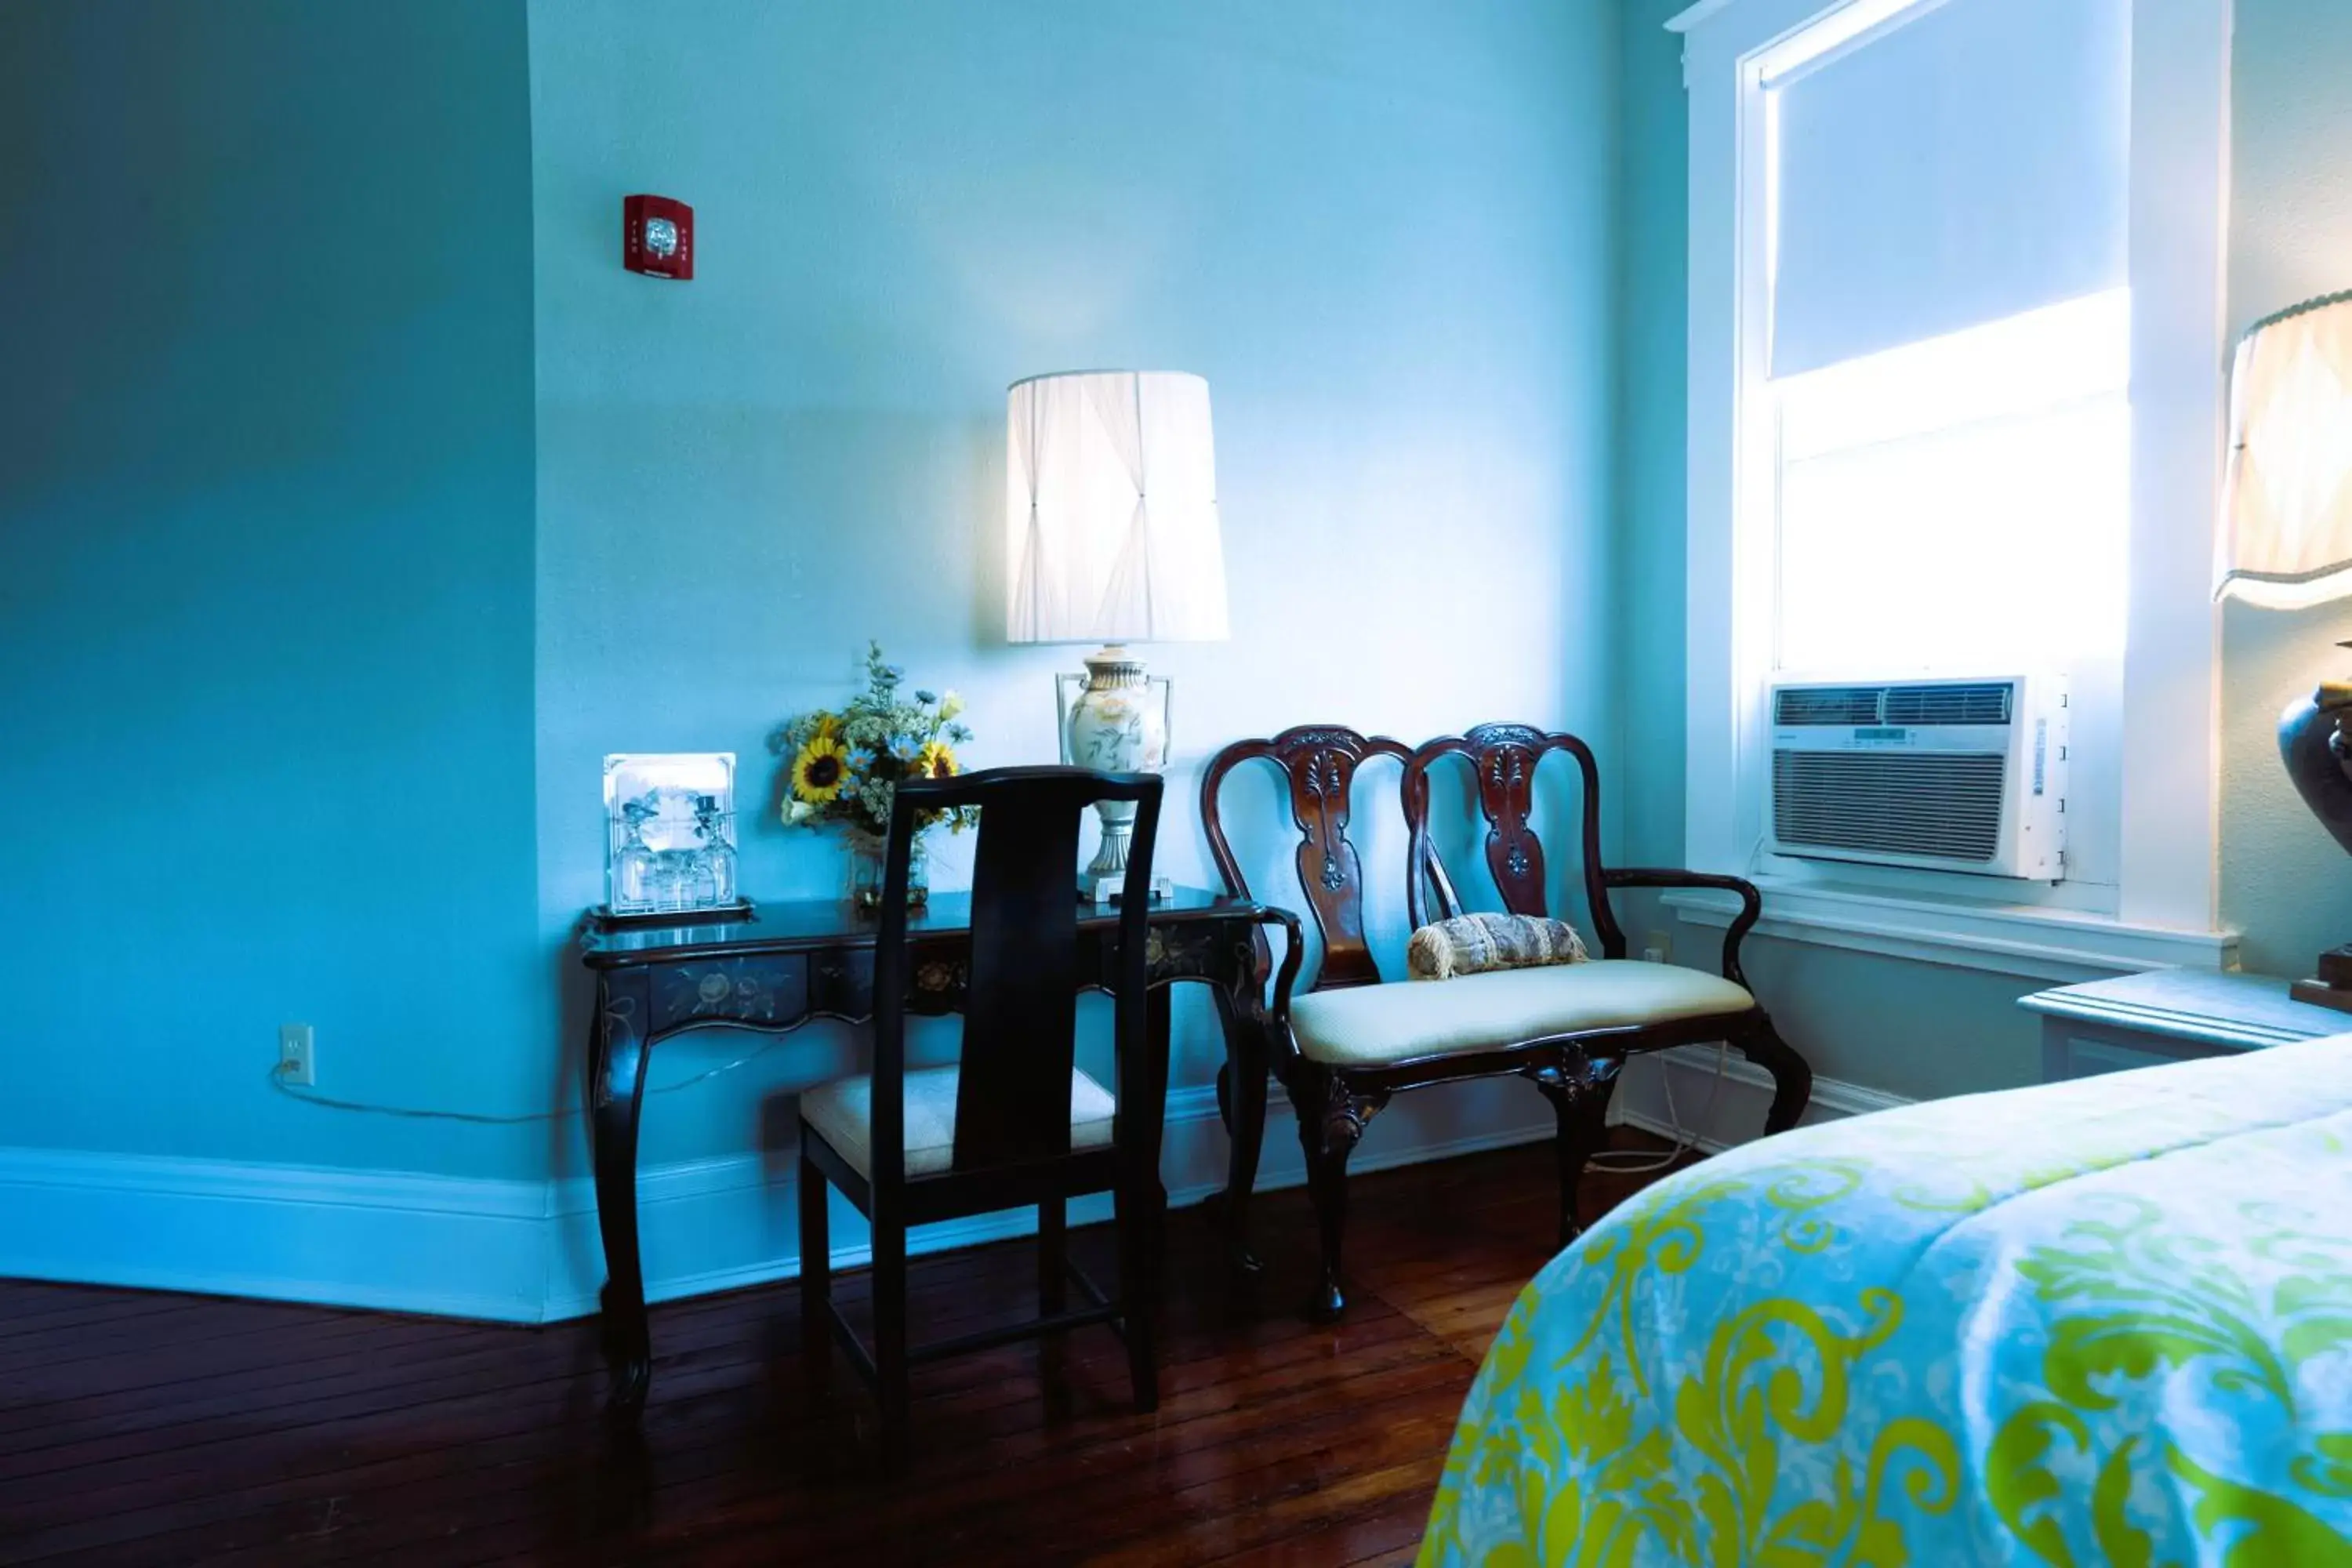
(1966,163)
(1962,502)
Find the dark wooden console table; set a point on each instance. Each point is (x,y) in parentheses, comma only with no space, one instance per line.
(794,961)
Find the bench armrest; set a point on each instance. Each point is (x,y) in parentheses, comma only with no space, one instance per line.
(1293,954)
(1752,903)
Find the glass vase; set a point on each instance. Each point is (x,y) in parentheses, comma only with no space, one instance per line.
(866,852)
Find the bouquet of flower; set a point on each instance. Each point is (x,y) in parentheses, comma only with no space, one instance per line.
(844,767)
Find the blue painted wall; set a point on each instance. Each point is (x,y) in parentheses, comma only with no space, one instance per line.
(1382,231)
(265,576)
(363,502)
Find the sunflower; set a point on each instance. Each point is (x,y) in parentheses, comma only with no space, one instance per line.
(820,770)
(937,760)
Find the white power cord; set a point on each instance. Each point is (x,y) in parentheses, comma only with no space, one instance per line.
(1631,1163)
(419,1113)
(1627,1162)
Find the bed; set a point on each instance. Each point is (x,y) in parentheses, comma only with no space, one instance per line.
(2105,1321)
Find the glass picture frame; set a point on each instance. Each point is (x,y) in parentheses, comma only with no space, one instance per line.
(669,837)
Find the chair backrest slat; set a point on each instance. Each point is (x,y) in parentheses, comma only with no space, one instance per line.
(1319,762)
(1013,1093)
(1503,759)
(1020,1016)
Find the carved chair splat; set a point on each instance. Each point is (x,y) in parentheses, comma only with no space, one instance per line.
(1318,764)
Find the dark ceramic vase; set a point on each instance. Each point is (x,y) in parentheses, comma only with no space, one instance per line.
(2312,750)
(2313,744)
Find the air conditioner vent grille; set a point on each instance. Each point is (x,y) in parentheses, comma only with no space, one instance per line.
(1986,704)
(1827,705)
(1944,806)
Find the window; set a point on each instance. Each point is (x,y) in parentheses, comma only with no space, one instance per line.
(1955,409)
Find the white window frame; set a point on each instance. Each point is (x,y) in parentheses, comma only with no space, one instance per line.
(2168,876)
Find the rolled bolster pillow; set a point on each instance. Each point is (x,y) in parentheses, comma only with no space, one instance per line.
(1472,944)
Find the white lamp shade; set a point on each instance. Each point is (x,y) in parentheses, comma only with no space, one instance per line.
(1111,510)
(2288,533)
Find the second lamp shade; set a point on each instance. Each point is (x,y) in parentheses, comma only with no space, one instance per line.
(1111,510)
(2287,538)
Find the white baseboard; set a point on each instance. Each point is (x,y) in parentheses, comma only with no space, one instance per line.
(528,1252)
(445,1246)
(1733,1112)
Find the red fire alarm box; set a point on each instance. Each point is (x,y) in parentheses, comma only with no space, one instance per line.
(657,236)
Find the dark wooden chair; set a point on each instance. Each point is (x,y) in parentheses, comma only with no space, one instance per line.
(1014,1122)
(1344,1048)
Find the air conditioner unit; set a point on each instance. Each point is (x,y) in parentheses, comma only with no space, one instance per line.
(1943,774)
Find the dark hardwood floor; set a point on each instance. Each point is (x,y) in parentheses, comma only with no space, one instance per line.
(137,1427)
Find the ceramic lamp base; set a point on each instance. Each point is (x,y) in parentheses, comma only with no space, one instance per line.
(1108,892)
(2313,745)
(1118,724)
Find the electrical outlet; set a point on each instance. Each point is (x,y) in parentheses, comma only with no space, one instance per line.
(1657,947)
(296,1065)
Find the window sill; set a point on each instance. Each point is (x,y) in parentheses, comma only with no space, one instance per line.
(2038,943)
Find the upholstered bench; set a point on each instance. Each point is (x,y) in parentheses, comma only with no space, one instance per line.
(1355,1038)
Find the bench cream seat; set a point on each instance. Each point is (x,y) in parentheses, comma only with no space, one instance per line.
(844,1111)
(1372,1025)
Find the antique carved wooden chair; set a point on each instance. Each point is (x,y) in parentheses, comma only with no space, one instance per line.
(1353,1040)
(1014,1122)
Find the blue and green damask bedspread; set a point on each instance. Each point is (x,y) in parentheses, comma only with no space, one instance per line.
(2107,1321)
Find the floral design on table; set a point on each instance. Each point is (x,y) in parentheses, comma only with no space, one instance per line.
(755,989)
(1172,953)
(939,981)
(2107,1321)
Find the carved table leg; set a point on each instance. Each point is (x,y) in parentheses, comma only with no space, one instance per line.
(617,1055)
(1241,1096)
(1792,1079)
(1331,1122)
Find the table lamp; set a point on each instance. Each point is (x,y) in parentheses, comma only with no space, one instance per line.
(1111,537)
(2286,542)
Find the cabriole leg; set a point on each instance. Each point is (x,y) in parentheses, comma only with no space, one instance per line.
(1792,1079)
(1331,1122)
(1241,1100)
(616,1075)
(1580,1103)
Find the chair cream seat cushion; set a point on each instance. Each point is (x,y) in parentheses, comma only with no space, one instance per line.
(843,1110)
(1370,1025)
